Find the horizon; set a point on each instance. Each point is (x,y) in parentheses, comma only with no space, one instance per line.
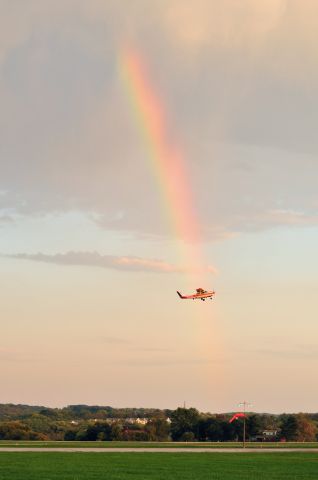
(146,151)
(228,412)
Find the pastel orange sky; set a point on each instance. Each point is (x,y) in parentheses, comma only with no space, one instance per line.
(91,261)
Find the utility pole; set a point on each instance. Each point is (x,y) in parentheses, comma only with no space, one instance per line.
(244,405)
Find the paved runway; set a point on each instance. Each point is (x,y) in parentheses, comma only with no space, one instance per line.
(159,450)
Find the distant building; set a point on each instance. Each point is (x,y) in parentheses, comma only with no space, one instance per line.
(139,421)
(131,421)
(270,434)
(265,436)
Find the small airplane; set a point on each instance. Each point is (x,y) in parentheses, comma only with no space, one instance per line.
(201,295)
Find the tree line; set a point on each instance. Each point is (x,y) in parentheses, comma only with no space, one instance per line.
(94,423)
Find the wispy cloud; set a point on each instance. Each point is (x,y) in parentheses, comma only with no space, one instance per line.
(94,259)
(112,340)
(166,362)
(12,355)
(296,351)
(4,219)
(292,217)
(152,349)
(267,219)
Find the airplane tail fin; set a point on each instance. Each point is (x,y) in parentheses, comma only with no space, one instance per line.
(180,294)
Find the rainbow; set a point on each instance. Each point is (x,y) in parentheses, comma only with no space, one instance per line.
(167,161)
(169,167)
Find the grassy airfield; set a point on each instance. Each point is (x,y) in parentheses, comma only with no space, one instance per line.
(163,466)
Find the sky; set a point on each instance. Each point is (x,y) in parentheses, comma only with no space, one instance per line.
(146,147)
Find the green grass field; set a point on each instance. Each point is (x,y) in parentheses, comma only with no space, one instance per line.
(24,443)
(158,466)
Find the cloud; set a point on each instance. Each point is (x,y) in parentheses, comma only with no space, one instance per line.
(112,340)
(296,351)
(12,355)
(130,345)
(152,349)
(4,219)
(291,218)
(94,259)
(238,81)
(266,219)
(221,23)
(167,362)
